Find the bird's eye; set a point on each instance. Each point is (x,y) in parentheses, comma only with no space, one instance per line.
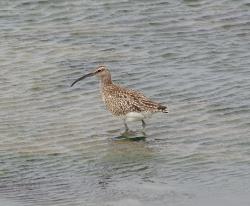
(99,70)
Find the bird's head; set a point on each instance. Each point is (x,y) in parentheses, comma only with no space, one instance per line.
(101,72)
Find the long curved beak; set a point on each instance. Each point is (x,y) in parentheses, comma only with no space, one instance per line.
(83,77)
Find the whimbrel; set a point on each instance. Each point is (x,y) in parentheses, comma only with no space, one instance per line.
(122,102)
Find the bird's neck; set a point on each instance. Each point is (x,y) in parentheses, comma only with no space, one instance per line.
(106,80)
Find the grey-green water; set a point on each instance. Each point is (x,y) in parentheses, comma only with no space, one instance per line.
(56,144)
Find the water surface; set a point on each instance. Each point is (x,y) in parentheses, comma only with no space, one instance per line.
(56,144)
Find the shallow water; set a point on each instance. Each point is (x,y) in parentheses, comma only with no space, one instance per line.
(56,142)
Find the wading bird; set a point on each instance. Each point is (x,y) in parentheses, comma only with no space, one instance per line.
(128,104)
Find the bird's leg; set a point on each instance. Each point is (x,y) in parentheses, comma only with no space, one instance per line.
(126,126)
(143,125)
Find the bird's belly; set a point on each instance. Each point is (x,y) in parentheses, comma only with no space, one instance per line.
(137,116)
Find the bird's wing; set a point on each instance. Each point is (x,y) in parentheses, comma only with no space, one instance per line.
(133,100)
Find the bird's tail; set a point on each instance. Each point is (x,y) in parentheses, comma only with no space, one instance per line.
(163,109)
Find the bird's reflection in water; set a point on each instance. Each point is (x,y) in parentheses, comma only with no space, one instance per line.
(125,158)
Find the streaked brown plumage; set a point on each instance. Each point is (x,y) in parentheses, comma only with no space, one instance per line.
(122,102)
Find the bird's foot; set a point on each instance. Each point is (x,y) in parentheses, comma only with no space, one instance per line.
(128,133)
(134,135)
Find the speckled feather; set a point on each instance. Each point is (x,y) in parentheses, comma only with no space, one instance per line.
(120,101)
